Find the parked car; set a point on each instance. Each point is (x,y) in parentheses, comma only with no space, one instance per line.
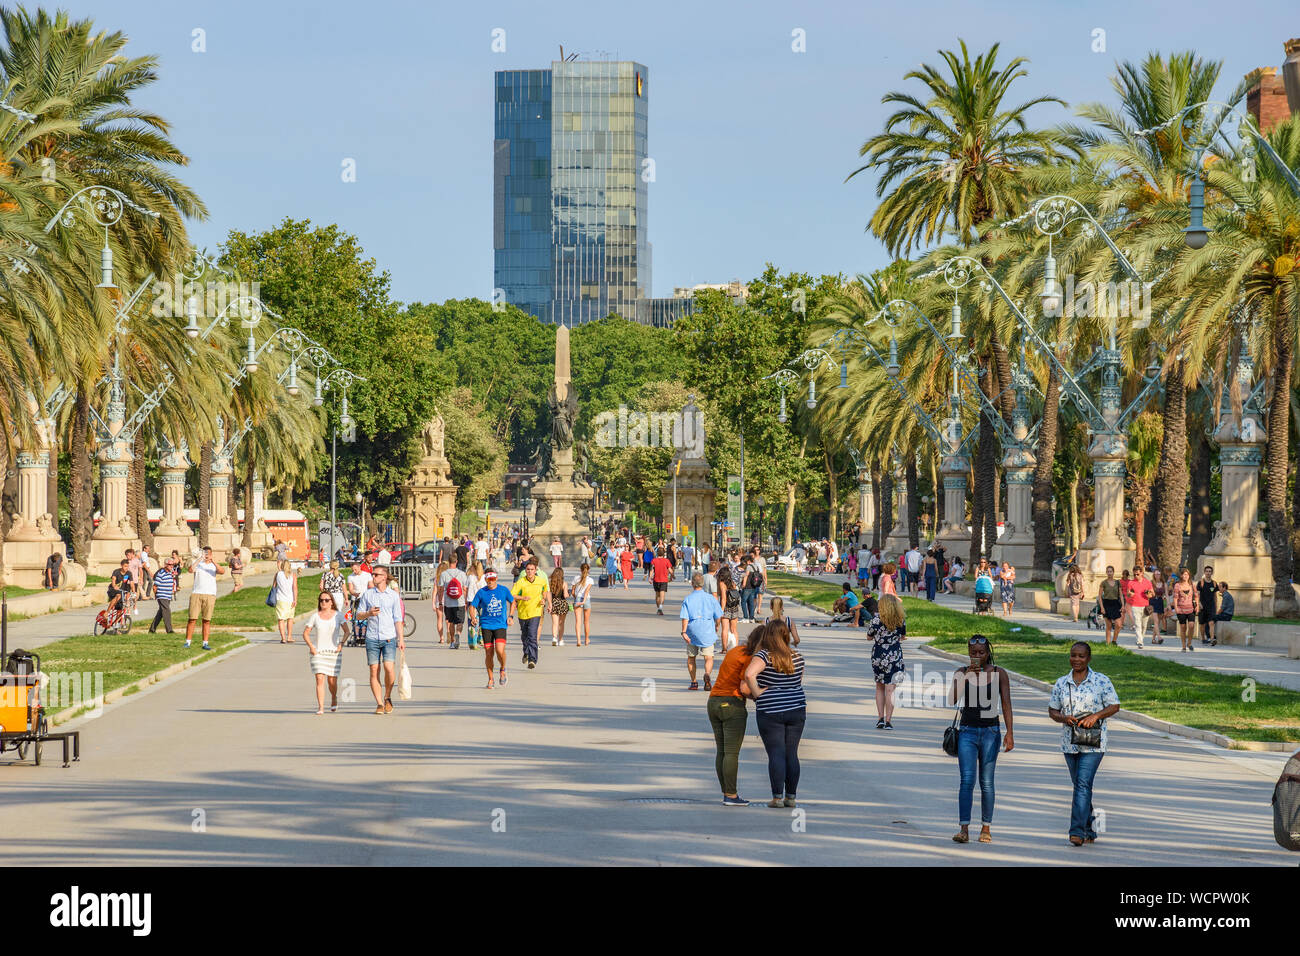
(424,553)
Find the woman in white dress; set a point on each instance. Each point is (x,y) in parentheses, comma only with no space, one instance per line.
(321,632)
(286,601)
(581,594)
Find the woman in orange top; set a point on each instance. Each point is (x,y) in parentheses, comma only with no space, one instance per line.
(887,579)
(729,717)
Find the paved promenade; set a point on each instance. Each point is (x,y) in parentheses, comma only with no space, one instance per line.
(600,756)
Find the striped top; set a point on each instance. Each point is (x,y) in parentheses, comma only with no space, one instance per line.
(781,692)
(164,585)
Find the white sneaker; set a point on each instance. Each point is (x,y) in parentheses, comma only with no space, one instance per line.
(1139,645)
(561,644)
(554,642)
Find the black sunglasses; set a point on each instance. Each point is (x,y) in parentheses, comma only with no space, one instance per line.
(978,640)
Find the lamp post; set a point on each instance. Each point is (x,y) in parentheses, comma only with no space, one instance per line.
(341,379)
(523,524)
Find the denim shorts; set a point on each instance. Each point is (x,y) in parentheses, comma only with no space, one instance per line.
(378,651)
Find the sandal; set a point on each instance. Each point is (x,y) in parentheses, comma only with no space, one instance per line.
(961,837)
(695,685)
(985,836)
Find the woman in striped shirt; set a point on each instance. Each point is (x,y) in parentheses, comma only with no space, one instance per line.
(774,679)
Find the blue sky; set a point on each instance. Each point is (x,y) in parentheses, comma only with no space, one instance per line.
(751,140)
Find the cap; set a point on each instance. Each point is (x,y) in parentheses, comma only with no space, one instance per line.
(490,576)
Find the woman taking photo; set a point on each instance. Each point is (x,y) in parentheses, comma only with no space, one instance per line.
(286,601)
(559,606)
(1081,702)
(729,598)
(728,716)
(886,632)
(326,650)
(983,691)
(581,594)
(774,678)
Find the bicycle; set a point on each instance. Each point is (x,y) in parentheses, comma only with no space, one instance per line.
(116,620)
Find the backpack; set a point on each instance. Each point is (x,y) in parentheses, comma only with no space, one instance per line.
(1286,805)
(755,579)
(454,589)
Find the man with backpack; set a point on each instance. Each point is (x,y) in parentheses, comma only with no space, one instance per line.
(449,592)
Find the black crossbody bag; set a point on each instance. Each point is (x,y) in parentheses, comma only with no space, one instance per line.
(1083,736)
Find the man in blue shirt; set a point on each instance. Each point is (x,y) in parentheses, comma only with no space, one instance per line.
(490,612)
(700,614)
(381,607)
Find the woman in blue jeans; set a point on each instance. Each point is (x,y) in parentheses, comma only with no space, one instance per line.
(1082,699)
(983,691)
(774,679)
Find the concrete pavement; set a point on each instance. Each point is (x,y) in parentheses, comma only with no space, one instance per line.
(600,756)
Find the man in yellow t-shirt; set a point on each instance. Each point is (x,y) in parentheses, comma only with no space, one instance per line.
(531,596)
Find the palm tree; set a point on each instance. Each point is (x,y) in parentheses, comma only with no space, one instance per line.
(1143,462)
(1149,183)
(951,164)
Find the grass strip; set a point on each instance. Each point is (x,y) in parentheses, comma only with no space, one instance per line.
(1234,705)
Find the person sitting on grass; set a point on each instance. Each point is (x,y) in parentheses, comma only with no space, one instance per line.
(845,606)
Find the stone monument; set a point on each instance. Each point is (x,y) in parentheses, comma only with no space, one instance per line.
(173,531)
(898,541)
(32,536)
(563,496)
(696,497)
(429,498)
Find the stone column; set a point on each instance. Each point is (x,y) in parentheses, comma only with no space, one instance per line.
(222,535)
(1018,462)
(115,533)
(897,542)
(1239,551)
(173,531)
(953,533)
(261,536)
(866,503)
(1107,543)
(32,536)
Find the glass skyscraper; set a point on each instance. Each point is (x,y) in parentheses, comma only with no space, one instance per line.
(570,181)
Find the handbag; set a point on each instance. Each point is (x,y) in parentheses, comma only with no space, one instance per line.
(270,597)
(1084,736)
(950,734)
(404,680)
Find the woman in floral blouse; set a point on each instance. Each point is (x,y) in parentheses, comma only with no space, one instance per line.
(1082,698)
(886,630)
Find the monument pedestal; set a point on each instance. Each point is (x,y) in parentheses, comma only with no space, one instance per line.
(32,537)
(953,535)
(1240,552)
(114,534)
(898,541)
(1106,544)
(173,531)
(696,497)
(1016,544)
(428,503)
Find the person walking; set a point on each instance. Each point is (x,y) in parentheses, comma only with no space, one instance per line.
(1110,597)
(381,607)
(888,583)
(1207,599)
(886,631)
(286,601)
(983,692)
(559,589)
(1074,590)
(236,564)
(557,551)
(729,598)
(532,596)
(440,619)
(774,679)
(203,595)
(912,570)
(490,609)
(776,612)
(751,580)
(1158,588)
(326,651)
(1183,594)
(728,716)
(688,560)
(626,558)
(1081,702)
(331,582)
(930,574)
(358,583)
(164,590)
(1007,587)
(450,596)
(760,587)
(661,571)
(1140,596)
(581,593)
(700,613)
(474,581)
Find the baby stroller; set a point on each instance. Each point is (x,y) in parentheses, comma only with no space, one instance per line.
(983,603)
(1094,617)
(358,628)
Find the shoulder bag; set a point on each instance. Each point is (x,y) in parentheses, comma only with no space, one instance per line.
(950,734)
(1083,736)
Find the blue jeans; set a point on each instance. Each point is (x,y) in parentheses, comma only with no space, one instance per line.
(977,747)
(1083,767)
(781,734)
(528,636)
(378,652)
(747,597)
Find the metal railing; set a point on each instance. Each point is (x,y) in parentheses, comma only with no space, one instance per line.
(413,580)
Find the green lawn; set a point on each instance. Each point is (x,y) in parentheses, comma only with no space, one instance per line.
(1162,688)
(248,609)
(126,658)
(1266,620)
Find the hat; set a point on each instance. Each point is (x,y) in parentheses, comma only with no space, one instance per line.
(490,575)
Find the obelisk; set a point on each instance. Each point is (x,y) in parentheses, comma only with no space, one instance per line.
(563,497)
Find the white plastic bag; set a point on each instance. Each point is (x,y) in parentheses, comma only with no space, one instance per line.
(404,680)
